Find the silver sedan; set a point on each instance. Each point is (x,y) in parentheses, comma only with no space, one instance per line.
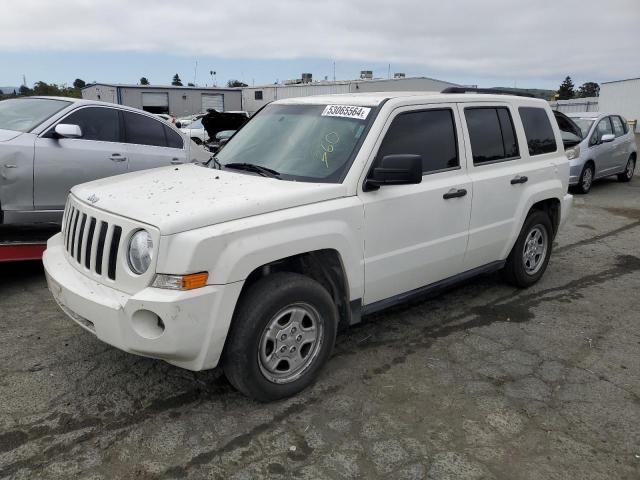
(608,148)
(50,144)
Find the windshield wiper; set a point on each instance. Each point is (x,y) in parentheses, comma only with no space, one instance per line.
(216,162)
(252,167)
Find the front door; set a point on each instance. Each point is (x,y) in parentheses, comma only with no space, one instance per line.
(61,163)
(603,154)
(416,235)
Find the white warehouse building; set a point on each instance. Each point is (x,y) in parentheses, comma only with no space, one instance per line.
(254,98)
(623,97)
(178,101)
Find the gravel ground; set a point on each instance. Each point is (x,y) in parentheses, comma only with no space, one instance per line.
(484,381)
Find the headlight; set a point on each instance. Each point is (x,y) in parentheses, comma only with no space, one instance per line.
(573,152)
(140,251)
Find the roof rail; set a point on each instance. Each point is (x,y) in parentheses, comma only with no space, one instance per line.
(494,91)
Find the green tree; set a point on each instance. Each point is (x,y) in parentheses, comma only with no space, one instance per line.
(589,89)
(144,81)
(566,90)
(236,83)
(190,84)
(176,81)
(79,84)
(25,91)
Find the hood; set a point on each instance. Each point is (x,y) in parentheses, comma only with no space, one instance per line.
(6,135)
(176,199)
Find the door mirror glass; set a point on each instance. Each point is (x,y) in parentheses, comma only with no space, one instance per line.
(67,130)
(397,169)
(607,137)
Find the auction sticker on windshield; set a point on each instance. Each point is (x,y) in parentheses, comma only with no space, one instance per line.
(346,111)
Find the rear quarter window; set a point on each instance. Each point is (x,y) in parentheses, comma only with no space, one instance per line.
(538,130)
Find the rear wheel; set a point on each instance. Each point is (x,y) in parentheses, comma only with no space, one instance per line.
(627,175)
(282,334)
(586,179)
(529,257)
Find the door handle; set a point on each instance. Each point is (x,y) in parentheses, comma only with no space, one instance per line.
(116,157)
(519,179)
(455,193)
(176,161)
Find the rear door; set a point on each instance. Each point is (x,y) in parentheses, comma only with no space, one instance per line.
(151,142)
(61,163)
(620,144)
(416,235)
(501,169)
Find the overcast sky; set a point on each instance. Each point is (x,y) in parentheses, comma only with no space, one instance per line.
(487,42)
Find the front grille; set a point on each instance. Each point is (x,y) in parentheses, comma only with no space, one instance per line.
(97,250)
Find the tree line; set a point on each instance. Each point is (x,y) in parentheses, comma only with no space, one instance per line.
(567,90)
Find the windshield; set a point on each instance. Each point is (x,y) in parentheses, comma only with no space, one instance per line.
(584,124)
(301,142)
(23,114)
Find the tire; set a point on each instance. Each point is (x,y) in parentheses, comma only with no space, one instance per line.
(627,175)
(586,179)
(518,270)
(277,306)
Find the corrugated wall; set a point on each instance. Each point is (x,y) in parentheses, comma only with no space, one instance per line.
(588,104)
(622,97)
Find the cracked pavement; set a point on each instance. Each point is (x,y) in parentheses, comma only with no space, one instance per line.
(483,381)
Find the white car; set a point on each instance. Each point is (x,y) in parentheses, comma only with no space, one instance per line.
(318,211)
(195,131)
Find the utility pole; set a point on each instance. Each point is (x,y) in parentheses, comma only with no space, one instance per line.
(195,72)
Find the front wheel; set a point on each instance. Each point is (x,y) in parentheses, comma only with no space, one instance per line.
(586,179)
(529,257)
(282,334)
(627,175)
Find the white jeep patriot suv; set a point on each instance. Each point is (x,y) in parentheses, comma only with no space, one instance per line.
(318,211)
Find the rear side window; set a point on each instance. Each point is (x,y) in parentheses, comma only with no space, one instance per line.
(538,130)
(491,133)
(96,123)
(428,133)
(143,130)
(618,128)
(173,139)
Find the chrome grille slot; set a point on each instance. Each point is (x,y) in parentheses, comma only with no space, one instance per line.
(113,252)
(81,237)
(100,250)
(89,249)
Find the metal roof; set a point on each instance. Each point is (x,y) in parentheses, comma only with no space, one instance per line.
(160,87)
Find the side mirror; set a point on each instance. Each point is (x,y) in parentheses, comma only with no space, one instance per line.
(607,137)
(399,169)
(178,125)
(66,130)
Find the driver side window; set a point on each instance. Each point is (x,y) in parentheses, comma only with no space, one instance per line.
(428,133)
(603,128)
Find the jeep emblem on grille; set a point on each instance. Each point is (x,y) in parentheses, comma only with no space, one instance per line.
(93,198)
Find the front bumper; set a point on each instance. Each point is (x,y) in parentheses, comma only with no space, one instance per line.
(193,323)
(575,170)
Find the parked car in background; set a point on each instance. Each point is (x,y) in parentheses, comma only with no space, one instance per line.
(318,211)
(608,148)
(50,144)
(195,131)
(166,118)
